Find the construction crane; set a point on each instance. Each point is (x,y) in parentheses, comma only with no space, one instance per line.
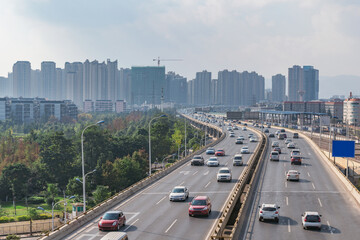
(158,60)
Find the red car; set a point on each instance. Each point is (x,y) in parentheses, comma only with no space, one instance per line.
(220,152)
(200,205)
(296,160)
(278,149)
(112,220)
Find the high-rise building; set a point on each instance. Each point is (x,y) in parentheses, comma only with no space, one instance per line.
(112,79)
(124,87)
(215,92)
(201,89)
(22,79)
(303,83)
(73,82)
(229,86)
(59,76)
(295,88)
(311,83)
(278,88)
(5,87)
(177,88)
(48,77)
(251,88)
(147,84)
(335,109)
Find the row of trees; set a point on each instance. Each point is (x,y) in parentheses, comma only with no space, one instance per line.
(47,160)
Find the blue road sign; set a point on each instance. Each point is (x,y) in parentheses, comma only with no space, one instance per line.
(343,148)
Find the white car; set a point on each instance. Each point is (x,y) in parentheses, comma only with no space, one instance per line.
(245,150)
(232,134)
(224,174)
(244,129)
(237,160)
(311,219)
(287,141)
(179,193)
(293,175)
(229,128)
(250,135)
(236,128)
(253,139)
(295,152)
(275,144)
(269,212)
(274,156)
(291,145)
(241,138)
(212,162)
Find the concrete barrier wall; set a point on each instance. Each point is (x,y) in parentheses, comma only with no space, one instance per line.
(96,211)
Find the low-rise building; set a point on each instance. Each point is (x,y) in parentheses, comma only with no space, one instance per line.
(352,110)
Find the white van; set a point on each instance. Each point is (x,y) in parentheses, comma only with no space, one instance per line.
(115,236)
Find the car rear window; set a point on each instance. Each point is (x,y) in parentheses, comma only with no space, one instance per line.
(237,158)
(312,218)
(178,190)
(224,171)
(269,209)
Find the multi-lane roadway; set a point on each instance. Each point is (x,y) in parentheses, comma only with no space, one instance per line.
(150,214)
(318,190)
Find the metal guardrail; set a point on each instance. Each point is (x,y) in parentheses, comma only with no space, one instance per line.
(233,201)
(81,220)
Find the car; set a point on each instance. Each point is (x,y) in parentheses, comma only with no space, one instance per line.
(235,128)
(115,235)
(311,220)
(278,149)
(282,130)
(287,141)
(245,150)
(293,175)
(269,212)
(179,193)
(295,152)
(220,152)
(200,205)
(275,144)
(245,124)
(197,160)
(112,220)
(237,160)
(212,162)
(274,156)
(296,160)
(277,132)
(244,129)
(296,135)
(253,139)
(229,128)
(291,145)
(232,134)
(210,151)
(271,135)
(224,174)
(239,141)
(266,131)
(282,136)
(250,135)
(241,138)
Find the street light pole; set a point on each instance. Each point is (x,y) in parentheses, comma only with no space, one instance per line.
(150,141)
(185,137)
(82,161)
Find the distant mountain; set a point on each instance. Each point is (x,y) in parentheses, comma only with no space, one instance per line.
(339,85)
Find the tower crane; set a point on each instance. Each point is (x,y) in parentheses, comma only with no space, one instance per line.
(158,60)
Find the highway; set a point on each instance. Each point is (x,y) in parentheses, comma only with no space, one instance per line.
(318,190)
(150,214)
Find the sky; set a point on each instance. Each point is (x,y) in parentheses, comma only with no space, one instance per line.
(266,36)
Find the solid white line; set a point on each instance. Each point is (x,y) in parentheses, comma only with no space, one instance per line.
(286,184)
(330,229)
(308,174)
(336,192)
(320,202)
(226,163)
(313,185)
(287,201)
(207,184)
(289,230)
(171,225)
(195,173)
(160,200)
(181,183)
(130,225)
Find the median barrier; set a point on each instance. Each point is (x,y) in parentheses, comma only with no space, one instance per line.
(66,229)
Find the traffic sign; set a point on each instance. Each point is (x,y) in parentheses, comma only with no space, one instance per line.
(343,148)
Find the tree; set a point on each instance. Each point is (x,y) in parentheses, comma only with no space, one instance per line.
(52,191)
(33,215)
(101,193)
(74,187)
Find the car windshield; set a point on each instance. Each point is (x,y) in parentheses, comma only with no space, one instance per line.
(224,171)
(269,209)
(198,202)
(238,158)
(178,190)
(213,159)
(220,150)
(312,218)
(197,157)
(111,216)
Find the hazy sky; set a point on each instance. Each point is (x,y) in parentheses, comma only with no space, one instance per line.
(266,36)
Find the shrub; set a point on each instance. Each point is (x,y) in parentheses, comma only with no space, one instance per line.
(11,219)
(44,216)
(36,200)
(167,165)
(12,237)
(23,218)
(4,219)
(49,201)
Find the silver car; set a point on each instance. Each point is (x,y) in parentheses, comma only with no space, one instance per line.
(224,174)
(179,193)
(293,175)
(269,212)
(311,220)
(212,162)
(245,150)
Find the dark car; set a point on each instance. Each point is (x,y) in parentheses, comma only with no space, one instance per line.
(296,160)
(220,152)
(296,135)
(266,131)
(112,220)
(197,160)
(200,205)
(239,141)
(271,135)
(278,149)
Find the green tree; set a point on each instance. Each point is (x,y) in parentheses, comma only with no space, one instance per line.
(52,191)
(101,193)
(74,187)
(33,215)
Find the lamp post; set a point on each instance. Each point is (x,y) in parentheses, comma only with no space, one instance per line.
(150,141)
(82,159)
(52,210)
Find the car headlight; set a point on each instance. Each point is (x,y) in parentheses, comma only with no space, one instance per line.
(191,208)
(114,224)
(205,208)
(100,223)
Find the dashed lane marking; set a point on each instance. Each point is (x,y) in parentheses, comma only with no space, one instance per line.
(320,202)
(160,200)
(195,173)
(131,225)
(207,184)
(171,225)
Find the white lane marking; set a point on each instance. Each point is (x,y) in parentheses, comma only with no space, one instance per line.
(90,229)
(289,230)
(304,165)
(226,163)
(310,154)
(171,225)
(320,202)
(195,173)
(209,192)
(207,184)
(181,183)
(286,184)
(184,172)
(130,225)
(313,185)
(160,200)
(308,174)
(287,201)
(206,173)
(284,163)
(330,228)
(336,192)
